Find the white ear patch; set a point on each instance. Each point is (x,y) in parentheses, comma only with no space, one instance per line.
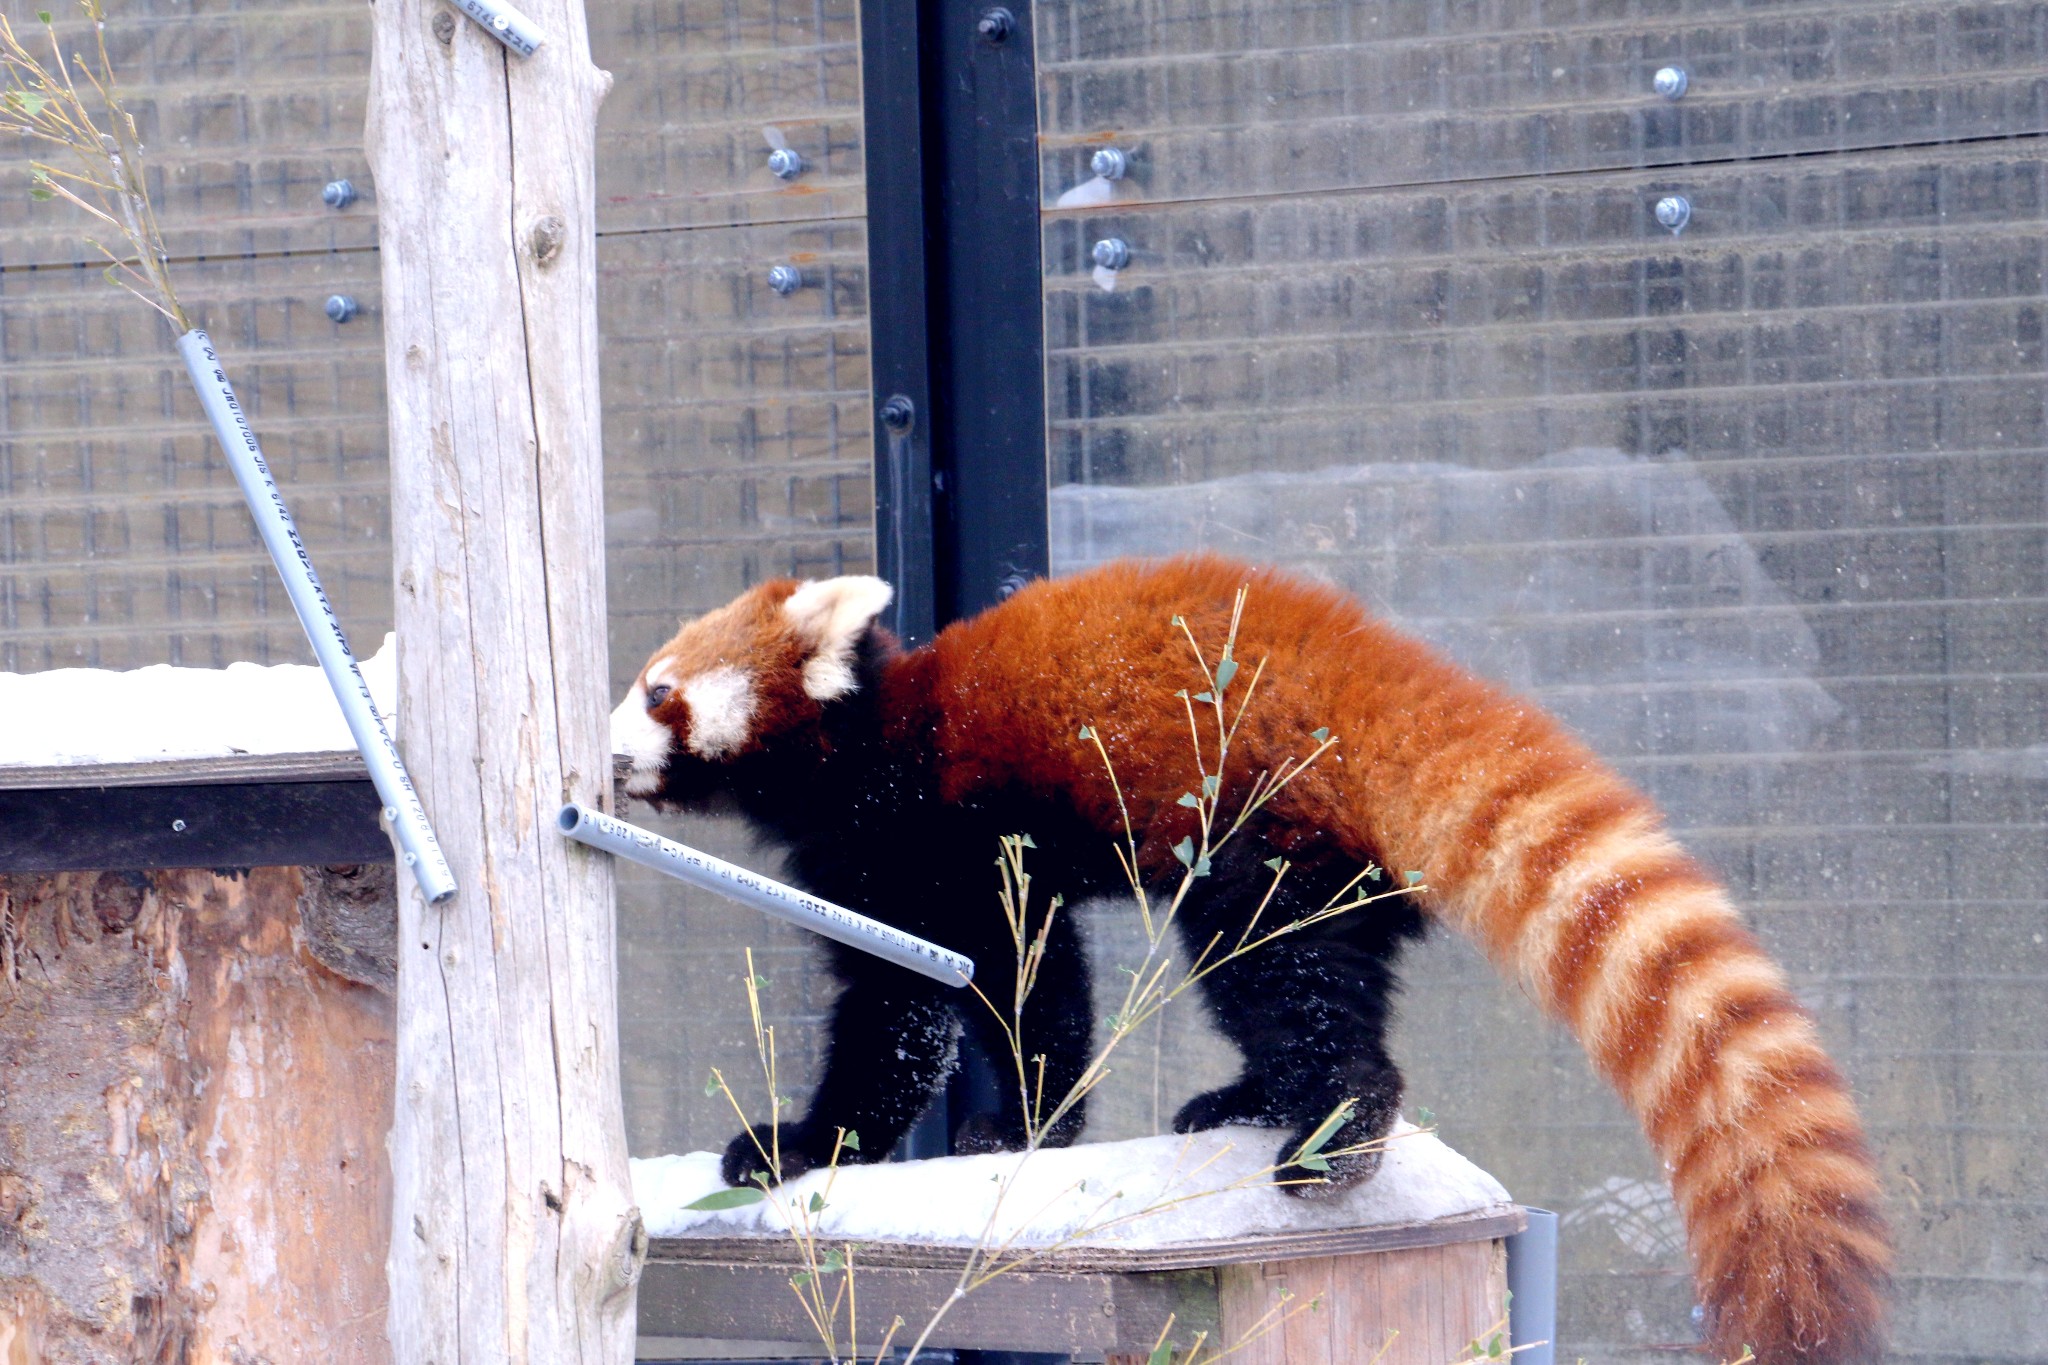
(721,708)
(828,616)
(641,738)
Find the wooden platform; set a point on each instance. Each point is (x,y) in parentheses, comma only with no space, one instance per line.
(1438,1286)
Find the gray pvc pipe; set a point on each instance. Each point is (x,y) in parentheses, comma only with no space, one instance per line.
(1532,1287)
(770,897)
(504,23)
(420,850)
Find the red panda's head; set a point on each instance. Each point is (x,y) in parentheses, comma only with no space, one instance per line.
(730,682)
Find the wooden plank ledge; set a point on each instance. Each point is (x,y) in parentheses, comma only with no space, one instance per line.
(1485,1225)
(1399,1294)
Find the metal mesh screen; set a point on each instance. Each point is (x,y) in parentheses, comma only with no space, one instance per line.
(1759,508)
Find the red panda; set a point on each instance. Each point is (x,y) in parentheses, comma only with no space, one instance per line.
(890,775)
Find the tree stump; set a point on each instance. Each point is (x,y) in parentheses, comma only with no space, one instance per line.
(192,1152)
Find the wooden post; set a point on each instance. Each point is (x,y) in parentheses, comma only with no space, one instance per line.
(514,1237)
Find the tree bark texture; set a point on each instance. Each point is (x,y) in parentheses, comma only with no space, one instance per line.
(515,1238)
(192,1115)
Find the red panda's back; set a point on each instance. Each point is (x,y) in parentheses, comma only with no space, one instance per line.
(1531,846)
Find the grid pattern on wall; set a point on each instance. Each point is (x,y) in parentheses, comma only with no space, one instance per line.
(1761,509)
(736,424)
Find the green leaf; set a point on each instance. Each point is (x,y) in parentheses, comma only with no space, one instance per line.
(1188,799)
(1205,696)
(1225,671)
(1087,732)
(1413,877)
(1319,734)
(800,1279)
(41,195)
(1425,1116)
(1372,871)
(1182,693)
(760,983)
(834,1262)
(1202,866)
(817,1204)
(1211,785)
(1277,864)
(1185,851)
(1162,1354)
(1313,1163)
(43,15)
(851,1142)
(1178,621)
(1493,1347)
(711,1087)
(1026,841)
(728,1199)
(1327,1129)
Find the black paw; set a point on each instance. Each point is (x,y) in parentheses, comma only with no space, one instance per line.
(747,1157)
(1239,1103)
(986,1133)
(1349,1158)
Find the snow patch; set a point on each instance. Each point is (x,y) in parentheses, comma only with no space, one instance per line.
(96,715)
(1204,1187)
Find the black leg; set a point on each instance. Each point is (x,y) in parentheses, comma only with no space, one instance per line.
(1056,1027)
(1309,1014)
(889,1046)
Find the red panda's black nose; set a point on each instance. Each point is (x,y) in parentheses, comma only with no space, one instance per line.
(658,694)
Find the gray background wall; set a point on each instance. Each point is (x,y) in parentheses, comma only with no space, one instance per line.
(1760,508)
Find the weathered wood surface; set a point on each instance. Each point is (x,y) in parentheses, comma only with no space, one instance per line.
(325,765)
(321,765)
(1440,1285)
(1259,1246)
(516,1235)
(192,1140)
(1022,1311)
(1422,1306)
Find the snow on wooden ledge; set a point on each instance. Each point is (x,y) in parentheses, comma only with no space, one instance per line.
(90,718)
(1201,1188)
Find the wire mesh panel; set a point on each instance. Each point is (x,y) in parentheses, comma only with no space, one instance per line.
(737,448)
(737,437)
(1284,96)
(1761,509)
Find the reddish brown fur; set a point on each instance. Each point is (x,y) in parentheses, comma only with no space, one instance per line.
(1532,847)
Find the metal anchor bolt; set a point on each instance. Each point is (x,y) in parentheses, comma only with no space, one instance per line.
(1112,253)
(338,194)
(1110,163)
(341,307)
(786,163)
(997,24)
(1674,211)
(1670,81)
(898,412)
(785,279)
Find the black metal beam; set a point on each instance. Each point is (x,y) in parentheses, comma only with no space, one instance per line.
(225,825)
(893,106)
(957,337)
(956,317)
(987,303)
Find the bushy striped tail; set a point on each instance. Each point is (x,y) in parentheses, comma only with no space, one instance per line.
(1566,877)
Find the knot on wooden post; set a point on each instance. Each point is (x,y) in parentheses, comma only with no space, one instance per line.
(545,241)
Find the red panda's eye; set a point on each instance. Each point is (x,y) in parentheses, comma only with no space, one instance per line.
(658,694)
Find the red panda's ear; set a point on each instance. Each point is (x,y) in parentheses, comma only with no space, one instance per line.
(829,616)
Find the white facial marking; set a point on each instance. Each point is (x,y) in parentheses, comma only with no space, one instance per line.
(829,616)
(641,738)
(721,708)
